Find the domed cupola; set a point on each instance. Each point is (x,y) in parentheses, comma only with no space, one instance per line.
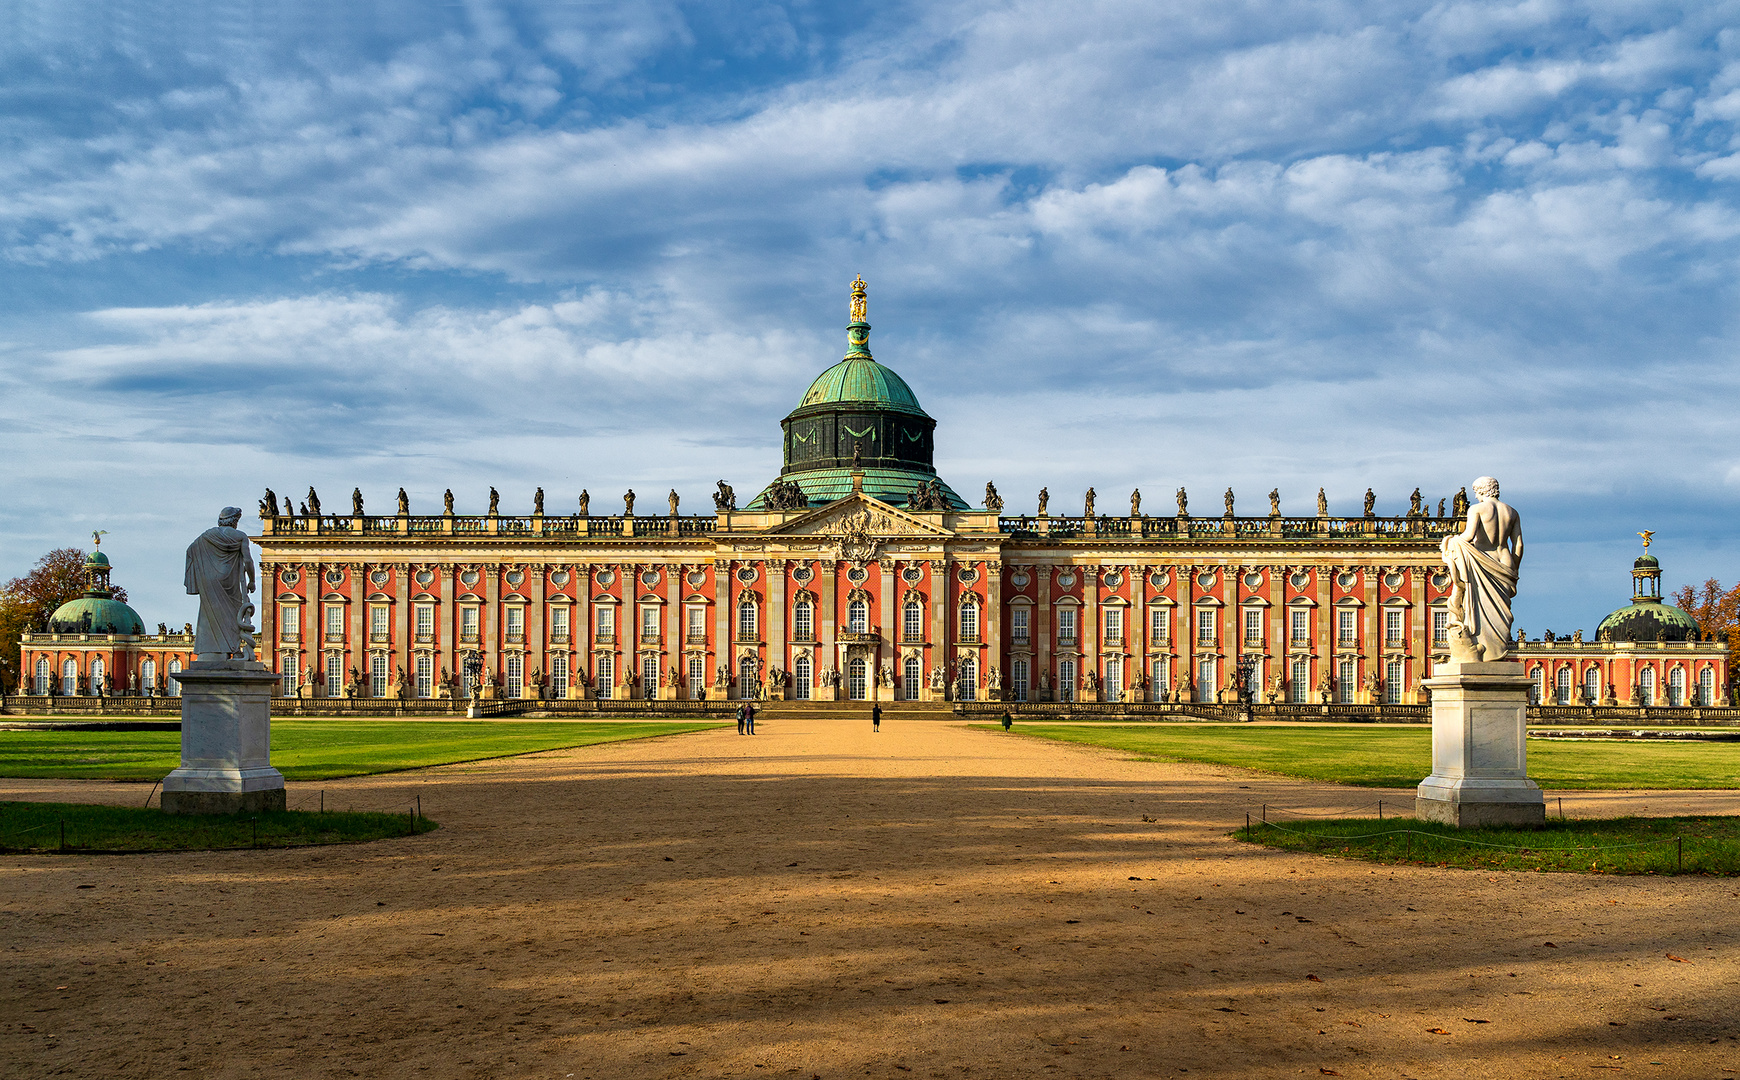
(97,611)
(858,416)
(1646,618)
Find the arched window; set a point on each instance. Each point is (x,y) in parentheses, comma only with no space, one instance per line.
(148,676)
(1393,682)
(1066,680)
(1537,685)
(1205,680)
(1018,680)
(1677,686)
(803,677)
(514,684)
(1646,682)
(858,617)
(426,674)
(69,678)
(174,685)
(967,687)
(746,620)
(912,621)
(1113,690)
(1707,686)
(378,675)
(746,677)
(604,676)
(911,678)
(96,675)
(969,622)
(1592,686)
(44,673)
(1299,683)
(1562,687)
(857,680)
(803,621)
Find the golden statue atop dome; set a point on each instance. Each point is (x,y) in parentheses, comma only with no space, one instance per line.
(1646,534)
(858,306)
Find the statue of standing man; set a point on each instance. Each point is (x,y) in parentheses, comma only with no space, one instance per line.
(1483,560)
(221,573)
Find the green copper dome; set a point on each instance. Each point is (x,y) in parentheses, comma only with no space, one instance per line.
(859,380)
(1647,620)
(105,615)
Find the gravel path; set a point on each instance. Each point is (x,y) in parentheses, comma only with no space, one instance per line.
(821,901)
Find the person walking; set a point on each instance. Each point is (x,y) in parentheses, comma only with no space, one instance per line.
(875,718)
(749,712)
(1007,719)
(740,709)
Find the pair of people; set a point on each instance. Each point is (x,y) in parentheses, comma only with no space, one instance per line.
(746,719)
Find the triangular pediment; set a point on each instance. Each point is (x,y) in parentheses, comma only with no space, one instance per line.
(859,514)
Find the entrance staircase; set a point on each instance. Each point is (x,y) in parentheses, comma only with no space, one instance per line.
(854,711)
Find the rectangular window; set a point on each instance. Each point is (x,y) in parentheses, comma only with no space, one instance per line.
(1018,628)
(698,624)
(697,676)
(425,621)
(912,627)
(1253,626)
(1299,619)
(1205,626)
(378,675)
(1205,680)
(515,619)
(1018,679)
(1395,623)
(1299,685)
(1066,628)
(649,677)
(746,621)
(425,675)
(468,624)
(649,623)
(1345,628)
(1346,683)
(559,676)
(604,671)
(286,666)
(559,624)
(803,622)
(335,620)
(1393,682)
(516,676)
(289,616)
(1440,627)
(1162,687)
(334,674)
(1114,626)
(1160,625)
(858,617)
(606,621)
(969,622)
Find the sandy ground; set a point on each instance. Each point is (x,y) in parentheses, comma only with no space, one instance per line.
(824,901)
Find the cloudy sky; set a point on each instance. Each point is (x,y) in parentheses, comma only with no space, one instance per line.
(601,245)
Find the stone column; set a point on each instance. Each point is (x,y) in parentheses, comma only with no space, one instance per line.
(357,640)
(775,613)
(404,642)
(1090,632)
(537,657)
(993,630)
(1371,642)
(828,650)
(226,741)
(447,632)
(673,655)
(886,574)
(1479,753)
(722,652)
(1325,575)
(1042,634)
(489,640)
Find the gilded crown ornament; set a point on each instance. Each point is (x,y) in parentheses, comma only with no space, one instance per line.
(859,308)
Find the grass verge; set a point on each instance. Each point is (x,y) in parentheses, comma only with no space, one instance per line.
(1676,845)
(1364,756)
(313,749)
(32,827)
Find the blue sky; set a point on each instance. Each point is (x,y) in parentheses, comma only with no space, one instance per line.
(1149,244)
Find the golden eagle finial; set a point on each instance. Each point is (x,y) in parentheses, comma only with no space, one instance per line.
(97,537)
(1646,534)
(858,305)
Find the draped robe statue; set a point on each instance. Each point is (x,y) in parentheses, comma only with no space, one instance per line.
(1483,560)
(221,573)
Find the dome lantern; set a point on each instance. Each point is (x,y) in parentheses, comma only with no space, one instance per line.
(96,611)
(1646,618)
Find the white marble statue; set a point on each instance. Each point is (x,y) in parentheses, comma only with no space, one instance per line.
(221,573)
(1483,560)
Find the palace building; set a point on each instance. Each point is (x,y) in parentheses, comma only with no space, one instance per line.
(96,646)
(857,574)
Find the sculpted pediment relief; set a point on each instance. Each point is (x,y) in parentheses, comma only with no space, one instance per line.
(858,526)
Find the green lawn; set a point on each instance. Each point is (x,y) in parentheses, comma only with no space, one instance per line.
(313,749)
(1691,845)
(1367,756)
(43,827)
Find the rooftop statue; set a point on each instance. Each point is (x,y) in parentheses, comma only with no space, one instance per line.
(1274,502)
(993,501)
(1136,503)
(1087,510)
(725,499)
(1229,502)
(404,502)
(313,503)
(538,501)
(221,573)
(1370,501)
(1183,503)
(585,503)
(1044,500)
(674,500)
(494,502)
(269,505)
(1483,560)
(1322,504)
(628,503)
(356,505)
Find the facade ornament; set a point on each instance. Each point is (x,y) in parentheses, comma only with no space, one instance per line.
(404,503)
(1274,502)
(628,503)
(673,500)
(927,498)
(785,495)
(1459,506)
(1229,502)
(1322,504)
(356,502)
(1414,509)
(269,504)
(538,501)
(447,502)
(1044,501)
(494,502)
(1087,510)
(1370,501)
(857,541)
(1136,503)
(993,501)
(1183,503)
(724,499)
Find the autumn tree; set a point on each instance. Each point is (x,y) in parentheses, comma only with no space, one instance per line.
(27,602)
(1717,611)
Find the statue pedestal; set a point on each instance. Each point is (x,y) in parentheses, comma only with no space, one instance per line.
(226,741)
(1479,758)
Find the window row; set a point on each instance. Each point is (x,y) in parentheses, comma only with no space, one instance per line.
(92,682)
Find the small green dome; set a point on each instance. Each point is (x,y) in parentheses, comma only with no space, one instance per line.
(1647,620)
(97,559)
(858,379)
(105,615)
(1646,562)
